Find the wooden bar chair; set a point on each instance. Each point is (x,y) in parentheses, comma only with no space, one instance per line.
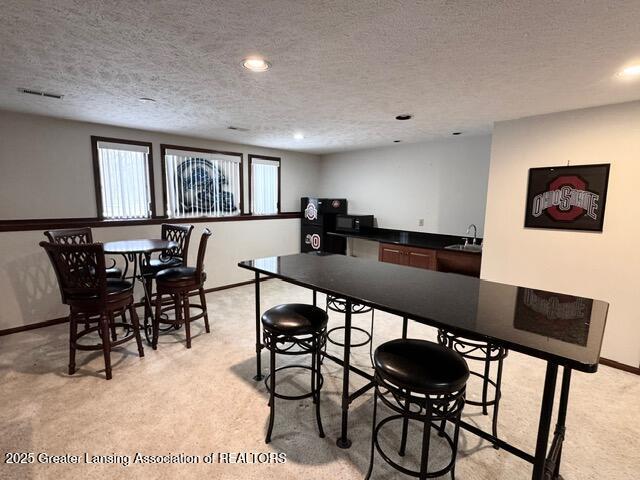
(79,236)
(92,298)
(176,257)
(179,283)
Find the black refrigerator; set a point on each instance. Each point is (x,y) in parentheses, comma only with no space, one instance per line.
(319,218)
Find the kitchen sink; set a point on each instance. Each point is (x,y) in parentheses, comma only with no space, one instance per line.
(465,248)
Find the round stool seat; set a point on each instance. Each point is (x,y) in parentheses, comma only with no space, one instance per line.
(294,319)
(421,366)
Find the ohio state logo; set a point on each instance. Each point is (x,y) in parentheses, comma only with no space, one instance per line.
(566,199)
(311,212)
(313,240)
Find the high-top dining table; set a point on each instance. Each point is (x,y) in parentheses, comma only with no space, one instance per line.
(563,330)
(138,253)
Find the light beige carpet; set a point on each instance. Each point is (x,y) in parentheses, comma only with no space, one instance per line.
(203,400)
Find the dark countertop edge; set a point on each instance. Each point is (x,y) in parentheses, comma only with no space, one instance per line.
(532,352)
(433,244)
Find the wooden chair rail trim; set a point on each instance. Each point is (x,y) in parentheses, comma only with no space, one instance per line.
(94,222)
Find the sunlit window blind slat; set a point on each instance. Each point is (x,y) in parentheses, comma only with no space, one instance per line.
(202,184)
(264,193)
(124,180)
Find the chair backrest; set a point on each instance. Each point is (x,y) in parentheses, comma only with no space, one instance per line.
(80,269)
(181,234)
(202,248)
(70,236)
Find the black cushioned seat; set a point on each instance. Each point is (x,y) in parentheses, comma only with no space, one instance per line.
(178,274)
(421,366)
(114,287)
(113,272)
(294,319)
(156,265)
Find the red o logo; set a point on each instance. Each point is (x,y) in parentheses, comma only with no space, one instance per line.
(572,181)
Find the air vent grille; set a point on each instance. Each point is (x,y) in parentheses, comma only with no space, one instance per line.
(40,94)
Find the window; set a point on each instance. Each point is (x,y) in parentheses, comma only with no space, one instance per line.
(201,183)
(264,179)
(123,171)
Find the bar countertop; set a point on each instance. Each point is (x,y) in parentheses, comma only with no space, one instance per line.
(434,241)
(565,329)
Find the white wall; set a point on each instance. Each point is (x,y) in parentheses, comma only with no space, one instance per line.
(46,168)
(603,265)
(30,291)
(444,182)
(46,171)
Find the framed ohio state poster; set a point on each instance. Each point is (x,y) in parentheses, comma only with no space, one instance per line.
(567,198)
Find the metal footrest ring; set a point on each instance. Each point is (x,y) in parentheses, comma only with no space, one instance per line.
(340,344)
(296,397)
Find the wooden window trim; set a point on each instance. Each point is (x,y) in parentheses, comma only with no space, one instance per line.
(164,147)
(96,170)
(274,159)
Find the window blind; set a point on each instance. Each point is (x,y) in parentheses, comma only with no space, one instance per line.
(124,180)
(202,184)
(264,186)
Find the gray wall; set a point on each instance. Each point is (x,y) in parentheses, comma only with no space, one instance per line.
(443,182)
(47,171)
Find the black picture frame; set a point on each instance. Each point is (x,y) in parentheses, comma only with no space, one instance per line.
(568,197)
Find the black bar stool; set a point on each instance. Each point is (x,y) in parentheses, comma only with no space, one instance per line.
(295,329)
(339,305)
(488,354)
(421,381)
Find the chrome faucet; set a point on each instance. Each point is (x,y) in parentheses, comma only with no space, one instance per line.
(475,233)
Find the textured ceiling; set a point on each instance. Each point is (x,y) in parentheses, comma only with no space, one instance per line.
(341,69)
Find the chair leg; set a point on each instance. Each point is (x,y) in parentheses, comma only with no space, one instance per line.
(178,310)
(426,437)
(106,344)
(373,433)
(405,425)
(456,434)
(187,318)
(316,397)
(272,397)
(135,324)
(73,336)
(156,321)
(148,290)
(112,327)
(203,302)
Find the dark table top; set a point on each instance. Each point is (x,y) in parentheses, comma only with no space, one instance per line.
(564,329)
(149,245)
(433,241)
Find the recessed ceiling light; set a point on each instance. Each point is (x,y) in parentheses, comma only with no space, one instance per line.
(146,100)
(404,116)
(256,64)
(630,71)
(456,133)
(298,136)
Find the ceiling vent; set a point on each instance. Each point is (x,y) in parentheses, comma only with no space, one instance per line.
(40,94)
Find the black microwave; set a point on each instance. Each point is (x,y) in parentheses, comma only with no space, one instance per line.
(353,223)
